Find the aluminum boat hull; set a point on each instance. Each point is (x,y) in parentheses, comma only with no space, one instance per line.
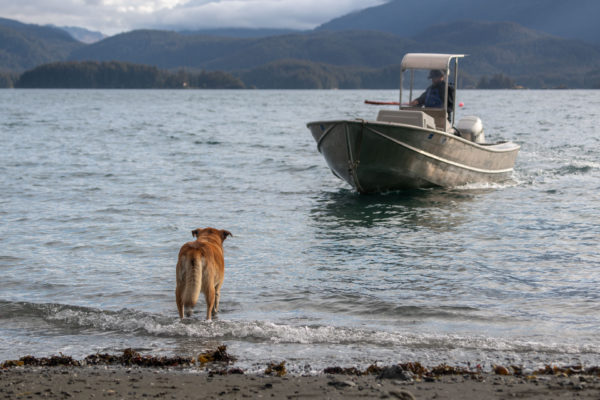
(375,156)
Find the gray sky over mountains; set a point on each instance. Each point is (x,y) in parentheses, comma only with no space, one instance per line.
(115,16)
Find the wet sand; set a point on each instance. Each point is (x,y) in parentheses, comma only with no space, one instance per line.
(32,382)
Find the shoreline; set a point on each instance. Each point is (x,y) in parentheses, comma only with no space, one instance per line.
(213,375)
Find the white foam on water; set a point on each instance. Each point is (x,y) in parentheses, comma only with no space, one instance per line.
(489,185)
(324,344)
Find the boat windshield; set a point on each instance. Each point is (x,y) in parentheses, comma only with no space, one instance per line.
(428,88)
(421,83)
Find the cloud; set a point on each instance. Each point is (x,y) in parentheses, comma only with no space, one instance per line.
(295,14)
(114,16)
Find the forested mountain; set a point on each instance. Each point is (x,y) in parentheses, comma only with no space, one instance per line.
(573,19)
(24,46)
(298,74)
(170,50)
(361,50)
(165,49)
(532,58)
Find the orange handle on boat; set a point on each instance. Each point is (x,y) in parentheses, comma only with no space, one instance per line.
(382,103)
(385,103)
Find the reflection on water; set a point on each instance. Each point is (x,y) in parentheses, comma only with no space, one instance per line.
(406,210)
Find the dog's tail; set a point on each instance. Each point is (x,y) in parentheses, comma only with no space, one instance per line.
(193,283)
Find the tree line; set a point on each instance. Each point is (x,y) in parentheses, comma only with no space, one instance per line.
(497,81)
(282,74)
(121,75)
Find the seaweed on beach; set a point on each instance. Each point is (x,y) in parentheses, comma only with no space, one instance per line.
(52,361)
(405,371)
(226,371)
(568,370)
(101,359)
(277,369)
(516,370)
(444,369)
(130,357)
(373,369)
(593,371)
(343,371)
(414,367)
(218,355)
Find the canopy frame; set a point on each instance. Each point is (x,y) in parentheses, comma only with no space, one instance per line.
(413,61)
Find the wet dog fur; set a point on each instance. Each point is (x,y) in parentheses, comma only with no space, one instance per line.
(201,268)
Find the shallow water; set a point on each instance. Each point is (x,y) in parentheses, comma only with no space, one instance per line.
(101,188)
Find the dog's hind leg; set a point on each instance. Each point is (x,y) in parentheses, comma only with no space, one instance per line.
(179,301)
(209,295)
(217,298)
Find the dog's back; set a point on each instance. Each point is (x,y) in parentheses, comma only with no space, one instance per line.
(200,268)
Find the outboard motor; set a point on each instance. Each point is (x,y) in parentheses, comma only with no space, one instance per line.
(471,128)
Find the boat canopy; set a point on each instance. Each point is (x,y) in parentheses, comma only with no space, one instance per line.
(428,60)
(431,61)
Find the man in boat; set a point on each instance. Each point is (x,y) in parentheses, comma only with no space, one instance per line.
(433,96)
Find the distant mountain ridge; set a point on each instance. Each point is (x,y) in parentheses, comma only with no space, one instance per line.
(83,35)
(238,32)
(573,19)
(24,46)
(171,50)
(343,57)
(533,58)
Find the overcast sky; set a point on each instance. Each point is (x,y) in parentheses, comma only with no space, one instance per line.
(114,16)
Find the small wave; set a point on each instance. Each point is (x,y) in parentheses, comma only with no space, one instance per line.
(340,303)
(577,168)
(150,196)
(10,259)
(208,142)
(127,322)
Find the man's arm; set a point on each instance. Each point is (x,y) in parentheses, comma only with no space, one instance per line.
(418,101)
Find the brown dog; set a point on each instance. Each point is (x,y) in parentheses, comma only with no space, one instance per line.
(201,268)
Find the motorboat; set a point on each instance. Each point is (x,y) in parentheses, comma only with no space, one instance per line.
(414,146)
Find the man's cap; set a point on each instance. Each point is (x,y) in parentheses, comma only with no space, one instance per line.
(435,73)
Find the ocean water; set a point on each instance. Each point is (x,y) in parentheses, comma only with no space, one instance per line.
(100,188)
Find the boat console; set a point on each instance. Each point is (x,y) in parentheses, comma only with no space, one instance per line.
(408,117)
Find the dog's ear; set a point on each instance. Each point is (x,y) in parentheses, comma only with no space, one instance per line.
(224,234)
(195,233)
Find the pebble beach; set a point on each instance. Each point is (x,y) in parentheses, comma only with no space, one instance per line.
(214,375)
(143,383)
